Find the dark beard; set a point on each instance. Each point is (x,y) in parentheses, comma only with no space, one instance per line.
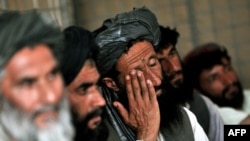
(82,132)
(169,108)
(236,102)
(184,93)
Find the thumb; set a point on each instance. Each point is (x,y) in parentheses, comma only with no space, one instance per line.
(123,112)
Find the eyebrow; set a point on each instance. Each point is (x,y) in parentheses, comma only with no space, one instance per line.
(55,69)
(27,78)
(85,85)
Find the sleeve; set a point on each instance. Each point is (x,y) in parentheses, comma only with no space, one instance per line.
(199,134)
(216,125)
(231,115)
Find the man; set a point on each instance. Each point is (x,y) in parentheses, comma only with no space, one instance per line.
(201,106)
(33,104)
(213,75)
(138,106)
(81,78)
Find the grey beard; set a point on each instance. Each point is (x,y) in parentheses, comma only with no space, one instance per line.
(21,127)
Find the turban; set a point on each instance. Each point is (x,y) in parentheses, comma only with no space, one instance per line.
(79,46)
(22,29)
(116,33)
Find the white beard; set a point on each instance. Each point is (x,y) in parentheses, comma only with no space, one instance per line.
(21,127)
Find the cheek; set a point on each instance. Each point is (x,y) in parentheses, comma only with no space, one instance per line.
(157,71)
(80,104)
(58,88)
(215,88)
(25,99)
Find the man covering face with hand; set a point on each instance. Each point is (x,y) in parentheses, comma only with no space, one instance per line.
(139,104)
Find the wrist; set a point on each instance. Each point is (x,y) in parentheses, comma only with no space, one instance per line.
(146,135)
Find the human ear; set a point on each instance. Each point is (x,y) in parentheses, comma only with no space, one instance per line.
(110,83)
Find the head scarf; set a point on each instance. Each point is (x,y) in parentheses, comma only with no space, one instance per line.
(22,29)
(113,38)
(116,33)
(79,46)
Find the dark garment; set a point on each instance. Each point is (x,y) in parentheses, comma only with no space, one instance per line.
(200,109)
(178,132)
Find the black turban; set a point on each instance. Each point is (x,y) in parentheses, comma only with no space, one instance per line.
(116,33)
(79,46)
(22,29)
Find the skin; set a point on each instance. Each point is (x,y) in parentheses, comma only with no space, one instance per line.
(84,94)
(32,81)
(215,80)
(140,73)
(171,64)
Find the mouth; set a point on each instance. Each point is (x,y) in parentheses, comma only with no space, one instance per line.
(43,119)
(94,122)
(176,77)
(231,92)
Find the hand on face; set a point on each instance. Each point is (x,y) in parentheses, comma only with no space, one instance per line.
(143,114)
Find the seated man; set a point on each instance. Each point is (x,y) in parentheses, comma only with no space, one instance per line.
(138,104)
(209,66)
(205,111)
(81,78)
(33,104)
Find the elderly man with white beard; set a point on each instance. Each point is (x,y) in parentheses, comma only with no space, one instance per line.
(32,101)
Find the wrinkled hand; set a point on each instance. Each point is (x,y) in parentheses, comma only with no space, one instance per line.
(143,114)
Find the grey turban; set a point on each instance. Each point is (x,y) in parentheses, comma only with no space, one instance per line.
(116,33)
(20,29)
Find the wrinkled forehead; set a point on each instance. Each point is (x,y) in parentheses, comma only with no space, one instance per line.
(138,53)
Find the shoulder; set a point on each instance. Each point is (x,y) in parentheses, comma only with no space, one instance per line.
(199,133)
(231,115)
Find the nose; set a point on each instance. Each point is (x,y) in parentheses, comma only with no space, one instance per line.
(98,100)
(226,79)
(149,74)
(48,93)
(170,65)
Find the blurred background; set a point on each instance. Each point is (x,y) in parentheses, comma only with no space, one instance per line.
(226,22)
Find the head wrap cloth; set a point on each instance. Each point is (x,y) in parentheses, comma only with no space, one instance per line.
(79,46)
(140,23)
(21,29)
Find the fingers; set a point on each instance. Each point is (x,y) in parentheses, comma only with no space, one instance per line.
(136,84)
(121,109)
(129,88)
(151,89)
(143,85)
(137,87)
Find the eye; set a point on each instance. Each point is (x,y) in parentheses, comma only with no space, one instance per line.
(152,62)
(52,75)
(26,82)
(172,53)
(213,77)
(82,90)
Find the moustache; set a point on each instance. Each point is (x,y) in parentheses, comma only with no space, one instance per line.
(226,89)
(172,75)
(94,113)
(43,109)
